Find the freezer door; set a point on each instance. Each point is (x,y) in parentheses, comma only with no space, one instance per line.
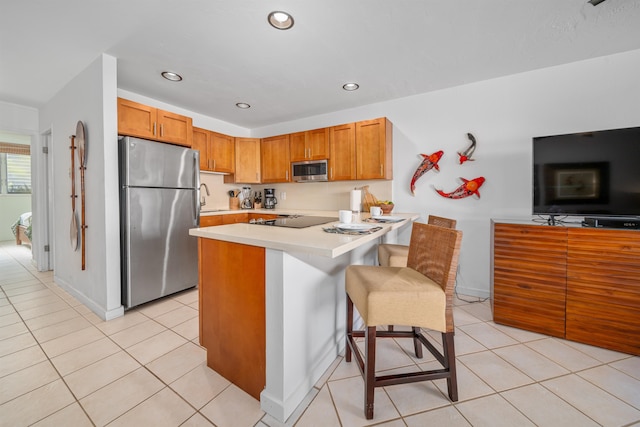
(159,256)
(146,163)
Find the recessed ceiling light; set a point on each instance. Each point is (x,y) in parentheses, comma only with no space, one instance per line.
(174,77)
(350,86)
(280,20)
(243,105)
(595,2)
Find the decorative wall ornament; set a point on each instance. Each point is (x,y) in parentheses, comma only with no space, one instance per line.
(468,188)
(82,157)
(429,162)
(466,154)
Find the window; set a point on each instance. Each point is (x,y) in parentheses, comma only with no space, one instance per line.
(15,169)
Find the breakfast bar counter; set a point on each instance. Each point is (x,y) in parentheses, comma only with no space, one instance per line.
(272,303)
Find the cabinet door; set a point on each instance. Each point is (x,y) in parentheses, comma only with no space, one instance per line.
(275,159)
(309,145)
(174,128)
(222,153)
(297,147)
(317,143)
(235,218)
(136,119)
(201,143)
(603,288)
(529,277)
(247,162)
(373,149)
(210,220)
(342,142)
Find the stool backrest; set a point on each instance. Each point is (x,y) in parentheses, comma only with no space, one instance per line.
(434,252)
(441,221)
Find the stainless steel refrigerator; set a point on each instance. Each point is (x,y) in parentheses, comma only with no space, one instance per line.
(159,203)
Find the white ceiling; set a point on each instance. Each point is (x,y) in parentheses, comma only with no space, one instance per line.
(227,52)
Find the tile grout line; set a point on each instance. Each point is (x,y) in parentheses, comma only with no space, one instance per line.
(60,376)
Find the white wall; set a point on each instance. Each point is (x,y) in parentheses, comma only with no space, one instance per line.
(503,114)
(20,120)
(91,98)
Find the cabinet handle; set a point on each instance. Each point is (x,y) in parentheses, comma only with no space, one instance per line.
(257,176)
(154,128)
(331,173)
(380,169)
(309,156)
(214,164)
(161,130)
(286,174)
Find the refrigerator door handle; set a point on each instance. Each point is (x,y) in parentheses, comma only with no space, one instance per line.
(196,194)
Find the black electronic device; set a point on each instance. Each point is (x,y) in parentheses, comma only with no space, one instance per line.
(606,222)
(589,174)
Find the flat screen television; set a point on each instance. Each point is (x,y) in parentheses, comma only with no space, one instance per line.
(591,174)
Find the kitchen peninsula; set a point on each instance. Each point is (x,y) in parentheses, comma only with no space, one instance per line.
(272,303)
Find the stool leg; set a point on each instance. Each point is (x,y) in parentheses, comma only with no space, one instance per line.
(347,349)
(369,371)
(450,360)
(417,345)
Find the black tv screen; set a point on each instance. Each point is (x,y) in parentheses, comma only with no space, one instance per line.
(587,174)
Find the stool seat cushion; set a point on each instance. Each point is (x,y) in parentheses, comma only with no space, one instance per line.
(390,255)
(396,296)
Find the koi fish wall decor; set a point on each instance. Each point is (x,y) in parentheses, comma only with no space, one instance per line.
(429,162)
(466,154)
(468,188)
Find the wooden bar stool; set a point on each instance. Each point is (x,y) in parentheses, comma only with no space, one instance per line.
(419,295)
(392,255)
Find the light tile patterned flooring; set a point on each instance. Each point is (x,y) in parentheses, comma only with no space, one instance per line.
(60,365)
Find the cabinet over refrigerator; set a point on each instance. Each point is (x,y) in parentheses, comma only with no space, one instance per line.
(159,203)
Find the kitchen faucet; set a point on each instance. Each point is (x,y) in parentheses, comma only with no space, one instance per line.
(202,200)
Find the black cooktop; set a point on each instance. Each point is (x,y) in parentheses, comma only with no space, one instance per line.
(297,221)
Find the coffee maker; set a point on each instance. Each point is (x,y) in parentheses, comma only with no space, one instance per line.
(270,200)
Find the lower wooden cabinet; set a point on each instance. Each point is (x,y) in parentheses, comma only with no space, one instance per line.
(235,218)
(210,220)
(581,284)
(232,312)
(529,277)
(603,288)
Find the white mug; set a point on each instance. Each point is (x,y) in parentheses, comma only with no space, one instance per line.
(375,210)
(345,216)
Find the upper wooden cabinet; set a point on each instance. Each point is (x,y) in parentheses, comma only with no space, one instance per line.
(247,167)
(374,149)
(201,143)
(222,153)
(143,121)
(217,151)
(275,159)
(309,145)
(342,142)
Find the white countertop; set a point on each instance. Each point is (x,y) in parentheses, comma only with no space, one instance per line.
(311,240)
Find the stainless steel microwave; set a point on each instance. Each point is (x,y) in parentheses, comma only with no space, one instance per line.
(309,171)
